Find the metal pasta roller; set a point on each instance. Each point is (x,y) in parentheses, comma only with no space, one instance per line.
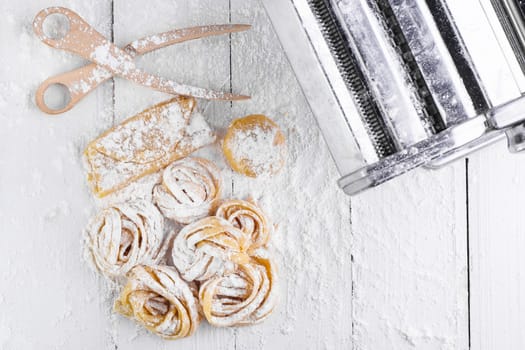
(396,84)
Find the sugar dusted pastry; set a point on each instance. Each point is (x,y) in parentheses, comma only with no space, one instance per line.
(208,247)
(157,298)
(244,296)
(254,145)
(248,218)
(189,189)
(145,143)
(125,235)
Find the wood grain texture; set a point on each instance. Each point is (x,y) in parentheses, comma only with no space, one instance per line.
(495,230)
(497,241)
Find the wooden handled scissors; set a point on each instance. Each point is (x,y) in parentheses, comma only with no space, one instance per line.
(80,38)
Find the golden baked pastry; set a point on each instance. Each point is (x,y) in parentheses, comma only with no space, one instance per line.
(244,296)
(125,235)
(145,143)
(247,217)
(208,247)
(157,298)
(254,145)
(189,189)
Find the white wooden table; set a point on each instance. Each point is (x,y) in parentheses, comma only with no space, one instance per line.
(431,260)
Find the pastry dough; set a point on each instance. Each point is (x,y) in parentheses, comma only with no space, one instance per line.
(241,297)
(254,145)
(125,235)
(145,143)
(189,189)
(247,217)
(207,248)
(157,298)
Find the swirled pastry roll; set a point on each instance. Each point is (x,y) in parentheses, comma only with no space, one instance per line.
(157,298)
(208,247)
(189,189)
(248,218)
(244,296)
(125,235)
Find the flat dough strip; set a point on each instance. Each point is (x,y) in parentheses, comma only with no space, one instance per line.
(145,143)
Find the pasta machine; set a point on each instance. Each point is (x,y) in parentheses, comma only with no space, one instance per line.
(398,84)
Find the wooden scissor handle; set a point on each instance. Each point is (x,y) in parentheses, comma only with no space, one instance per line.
(80,38)
(38,24)
(79,83)
(82,81)
(85,41)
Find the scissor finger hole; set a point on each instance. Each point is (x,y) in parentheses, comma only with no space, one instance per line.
(56,26)
(57,96)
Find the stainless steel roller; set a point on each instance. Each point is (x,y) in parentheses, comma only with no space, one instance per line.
(393,84)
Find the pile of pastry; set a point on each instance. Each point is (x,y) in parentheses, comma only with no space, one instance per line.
(215,264)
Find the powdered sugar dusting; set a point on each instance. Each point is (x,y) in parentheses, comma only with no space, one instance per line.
(96,76)
(258,149)
(106,55)
(188,190)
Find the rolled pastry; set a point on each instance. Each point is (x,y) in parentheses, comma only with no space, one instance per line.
(248,218)
(157,298)
(244,296)
(208,247)
(145,143)
(189,189)
(125,235)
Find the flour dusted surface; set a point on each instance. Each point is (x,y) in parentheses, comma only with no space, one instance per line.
(313,236)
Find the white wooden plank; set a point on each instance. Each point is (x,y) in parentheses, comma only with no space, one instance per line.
(496,239)
(496,233)
(410,262)
(48,296)
(313,239)
(204,63)
(496,246)
(410,277)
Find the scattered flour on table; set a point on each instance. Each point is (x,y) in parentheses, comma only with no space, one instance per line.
(313,227)
(5,334)
(313,238)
